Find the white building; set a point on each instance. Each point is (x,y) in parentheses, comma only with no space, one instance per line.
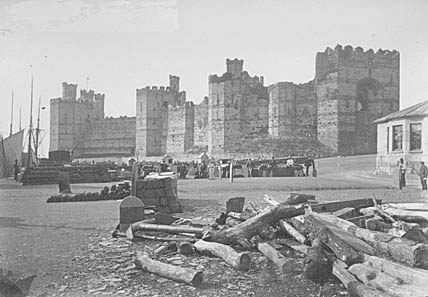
(402,134)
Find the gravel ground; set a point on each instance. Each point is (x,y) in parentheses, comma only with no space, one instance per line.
(68,245)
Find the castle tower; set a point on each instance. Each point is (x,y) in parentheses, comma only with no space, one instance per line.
(152,117)
(354,87)
(174,83)
(180,128)
(237,110)
(69,91)
(234,66)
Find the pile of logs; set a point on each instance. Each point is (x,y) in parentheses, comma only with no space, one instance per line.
(370,250)
(116,192)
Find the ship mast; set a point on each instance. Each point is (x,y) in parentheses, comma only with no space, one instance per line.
(36,148)
(20,127)
(11,118)
(30,131)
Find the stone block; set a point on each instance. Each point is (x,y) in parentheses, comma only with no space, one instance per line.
(131,210)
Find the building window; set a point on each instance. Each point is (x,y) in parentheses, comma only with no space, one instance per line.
(415,136)
(387,140)
(397,138)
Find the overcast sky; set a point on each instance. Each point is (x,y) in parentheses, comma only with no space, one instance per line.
(121,45)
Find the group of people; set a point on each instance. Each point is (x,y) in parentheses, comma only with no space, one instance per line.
(423,174)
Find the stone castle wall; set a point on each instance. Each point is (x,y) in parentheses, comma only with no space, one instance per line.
(292,111)
(180,137)
(335,111)
(354,87)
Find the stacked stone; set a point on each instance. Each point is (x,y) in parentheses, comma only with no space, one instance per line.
(160,193)
(78,174)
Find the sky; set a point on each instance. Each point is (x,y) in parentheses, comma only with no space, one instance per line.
(117,46)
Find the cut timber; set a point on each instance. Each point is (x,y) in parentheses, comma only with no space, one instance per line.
(414,206)
(408,215)
(344,245)
(239,261)
(382,213)
(139,226)
(292,231)
(298,198)
(284,265)
(175,273)
(392,278)
(270,200)
(294,245)
(316,266)
(334,206)
(240,234)
(184,248)
(386,245)
(355,288)
(165,248)
(345,213)
(235,204)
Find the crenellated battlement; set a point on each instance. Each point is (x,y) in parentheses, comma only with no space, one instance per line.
(348,52)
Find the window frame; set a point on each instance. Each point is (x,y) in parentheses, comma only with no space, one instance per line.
(394,138)
(420,137)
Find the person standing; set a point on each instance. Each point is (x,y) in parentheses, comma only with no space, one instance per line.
(308,163)
(423,174)
(15,170)
(401,174)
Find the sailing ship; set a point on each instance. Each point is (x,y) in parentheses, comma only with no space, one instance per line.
(12,147)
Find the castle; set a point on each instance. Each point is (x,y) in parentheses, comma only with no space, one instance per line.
(351,88)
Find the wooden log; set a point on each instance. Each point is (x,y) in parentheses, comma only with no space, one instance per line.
(345,213)
(392,278)
(296,198)
(239,261)
(270,200)
(344,245)
(336,205)
(241,233)
(355,288)
(166,248)
(317,266)
(377,224)
(172,272)
(386,245)
(139,226)
(284,265)
(407,215)
(294,245)
(185,248)
(292,231)
(381,212)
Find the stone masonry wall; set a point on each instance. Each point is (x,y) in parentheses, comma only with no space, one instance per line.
(292,111)
(180,128)
(201,123)
(110,136)
(354,87)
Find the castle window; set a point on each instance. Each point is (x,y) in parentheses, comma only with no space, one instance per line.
(415,136)
(397,137)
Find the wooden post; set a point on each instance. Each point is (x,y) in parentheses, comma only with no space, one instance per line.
(231,172)
(134,179)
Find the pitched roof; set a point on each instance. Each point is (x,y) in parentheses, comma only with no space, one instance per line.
(417,110)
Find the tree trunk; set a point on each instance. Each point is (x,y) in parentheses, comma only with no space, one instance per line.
(392,278)
(241,233)
(139,226)
(175,273)
(386,245)
(316,266)
(284,265)
(355,288)
(292,231)
(185,248)
(239,261)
